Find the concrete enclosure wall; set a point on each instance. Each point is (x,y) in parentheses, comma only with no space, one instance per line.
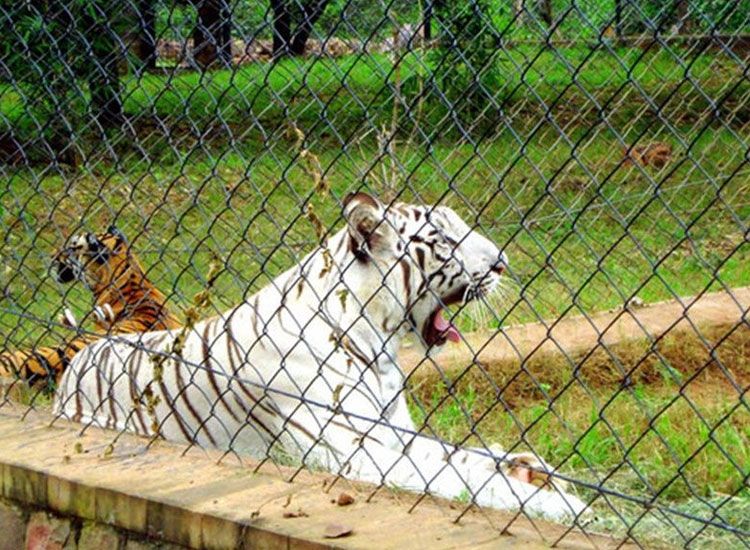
(23,526)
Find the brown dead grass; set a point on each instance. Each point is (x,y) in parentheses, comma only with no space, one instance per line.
(716,355)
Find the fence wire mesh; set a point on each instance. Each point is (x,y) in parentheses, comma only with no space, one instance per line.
(162,162)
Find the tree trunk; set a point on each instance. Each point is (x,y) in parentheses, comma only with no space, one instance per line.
(225,49)
(104,86)
(212,33)
(311,12)
(282,27)
(545,11)
(427,20)
(104,82)
(145,46)
(618,19)
(683,17)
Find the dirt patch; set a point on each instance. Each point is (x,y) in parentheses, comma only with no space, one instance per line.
(695,340)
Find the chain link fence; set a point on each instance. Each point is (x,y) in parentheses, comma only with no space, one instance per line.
(162,162)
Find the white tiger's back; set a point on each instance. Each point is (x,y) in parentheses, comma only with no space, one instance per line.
(241,380)
(137,383)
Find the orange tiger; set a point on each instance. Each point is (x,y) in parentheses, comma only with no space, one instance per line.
(125,301)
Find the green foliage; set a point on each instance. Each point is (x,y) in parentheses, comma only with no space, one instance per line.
(718,16)
(176,21)
(49,48)
(37,51)
(730,17)
(465,64)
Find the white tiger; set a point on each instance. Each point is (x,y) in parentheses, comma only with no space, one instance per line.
(309,363)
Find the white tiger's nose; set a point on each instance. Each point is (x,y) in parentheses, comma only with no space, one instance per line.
(500,264)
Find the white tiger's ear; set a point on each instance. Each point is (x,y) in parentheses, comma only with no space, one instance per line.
(369,231)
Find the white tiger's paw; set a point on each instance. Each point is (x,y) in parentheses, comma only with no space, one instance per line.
(531,469)
(508,493)
(526,467)
(529,480)
(560,506)
(66,318)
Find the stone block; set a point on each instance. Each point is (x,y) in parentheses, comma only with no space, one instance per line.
(260,539)
(174,524)
(46,532)
(68,498)
(12,527)
(134,544)
(123,511)
(25,485)
(137,544)
(220,534)
(98,537)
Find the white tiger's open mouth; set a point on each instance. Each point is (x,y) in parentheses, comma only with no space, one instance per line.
(438,329)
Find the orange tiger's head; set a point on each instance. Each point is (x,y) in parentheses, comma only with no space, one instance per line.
(96,259)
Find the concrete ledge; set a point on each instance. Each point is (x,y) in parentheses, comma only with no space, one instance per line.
(194,501)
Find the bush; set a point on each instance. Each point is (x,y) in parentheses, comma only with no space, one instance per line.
(48,48)
(465,63)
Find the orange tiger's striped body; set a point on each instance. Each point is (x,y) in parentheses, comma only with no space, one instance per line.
(125,301)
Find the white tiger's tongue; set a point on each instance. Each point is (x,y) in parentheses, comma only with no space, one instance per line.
(445,327)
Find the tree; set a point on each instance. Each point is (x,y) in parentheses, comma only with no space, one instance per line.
(465,65)
(212,34)
(145,44)
(542,7)
(97,20)
(545,12)
(305,13)
(428,8)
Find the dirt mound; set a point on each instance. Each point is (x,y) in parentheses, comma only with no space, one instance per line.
(688,342)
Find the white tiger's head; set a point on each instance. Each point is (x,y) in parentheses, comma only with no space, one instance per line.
(426,257)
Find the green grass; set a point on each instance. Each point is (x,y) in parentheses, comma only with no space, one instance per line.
(682,438)
(583,245)
(322,94)
(678,457)
(342,94)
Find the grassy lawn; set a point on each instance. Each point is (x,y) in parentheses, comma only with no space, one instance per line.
(339,99)
(346,95)
(576,244)
(542,174)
